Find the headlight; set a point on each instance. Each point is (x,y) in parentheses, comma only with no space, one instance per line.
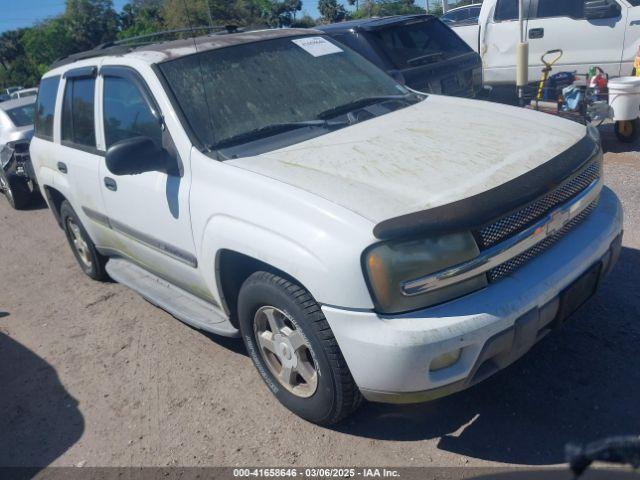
(388,265)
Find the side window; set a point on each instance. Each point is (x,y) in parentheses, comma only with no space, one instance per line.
(560,8)
(45,107)
(77,112)
(506,10)
(127,113)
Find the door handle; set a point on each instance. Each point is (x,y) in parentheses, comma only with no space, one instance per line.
(110,183)
(536,33)
(62,167)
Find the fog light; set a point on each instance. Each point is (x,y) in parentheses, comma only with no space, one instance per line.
(445,360)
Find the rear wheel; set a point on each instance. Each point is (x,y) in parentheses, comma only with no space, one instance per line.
(294,350)
(16,190)
(627,131)
(90,261)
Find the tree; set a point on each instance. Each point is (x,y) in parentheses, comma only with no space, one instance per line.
(382,8)
(306,21)
(141,17)
(90,22)
(46,42)
(331,11)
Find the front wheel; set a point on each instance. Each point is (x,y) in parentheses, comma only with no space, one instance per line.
(294,350)
(627,131)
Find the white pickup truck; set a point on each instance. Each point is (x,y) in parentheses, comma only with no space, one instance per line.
(590,32)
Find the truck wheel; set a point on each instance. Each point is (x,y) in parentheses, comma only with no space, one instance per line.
(90,261)
(294,350)
(627,131)
(16,190)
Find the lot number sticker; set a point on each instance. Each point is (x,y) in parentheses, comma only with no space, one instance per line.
(317,46)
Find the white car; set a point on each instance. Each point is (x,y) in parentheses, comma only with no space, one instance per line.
(362,239)
(589,32)
(462,15)
(26,92)
(16,130)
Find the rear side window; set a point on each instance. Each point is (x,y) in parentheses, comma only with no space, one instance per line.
(77,112)
(21,116)
(45,107)
(506,10)
(127,114)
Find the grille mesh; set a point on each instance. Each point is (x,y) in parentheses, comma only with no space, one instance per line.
(517,221)
(509,266)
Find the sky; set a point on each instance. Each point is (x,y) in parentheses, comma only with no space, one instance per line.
(24,13)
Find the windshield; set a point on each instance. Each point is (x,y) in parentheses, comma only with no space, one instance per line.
(413,44)
(274,86)
(21,116)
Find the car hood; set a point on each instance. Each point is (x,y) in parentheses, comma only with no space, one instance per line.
(433,153)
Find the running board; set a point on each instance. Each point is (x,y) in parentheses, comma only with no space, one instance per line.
(181,304)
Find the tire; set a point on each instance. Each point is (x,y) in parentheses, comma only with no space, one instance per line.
(16,190)
(83,248)
(336,395)
(627,131)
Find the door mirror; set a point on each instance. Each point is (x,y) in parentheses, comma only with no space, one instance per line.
(595,9)
(137,155)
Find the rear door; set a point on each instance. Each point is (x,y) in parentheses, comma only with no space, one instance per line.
(77,157)
(562,24)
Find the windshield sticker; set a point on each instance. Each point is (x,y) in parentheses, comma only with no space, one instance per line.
(317,46)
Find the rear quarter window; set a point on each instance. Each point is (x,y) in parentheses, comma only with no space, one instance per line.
(45,107)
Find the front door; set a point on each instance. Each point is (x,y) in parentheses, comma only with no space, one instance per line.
(499,41)
(562,24)
(148,212)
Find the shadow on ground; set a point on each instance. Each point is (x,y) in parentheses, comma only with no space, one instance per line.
(39,419)
(579,384)
(610,142)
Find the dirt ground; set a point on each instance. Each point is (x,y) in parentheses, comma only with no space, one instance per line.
(91,374)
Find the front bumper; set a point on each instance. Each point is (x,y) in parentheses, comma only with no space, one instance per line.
(390,357)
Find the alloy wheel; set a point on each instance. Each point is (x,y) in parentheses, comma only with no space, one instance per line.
(285,351)
(79,243)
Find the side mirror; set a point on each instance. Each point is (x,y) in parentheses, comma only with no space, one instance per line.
(596,9)
(137,155)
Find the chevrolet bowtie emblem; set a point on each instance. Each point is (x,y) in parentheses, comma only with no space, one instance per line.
(557,221)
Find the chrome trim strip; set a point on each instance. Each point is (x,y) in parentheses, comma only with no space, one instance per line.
(158,245)
(97,217)
(546,227)
(147,240)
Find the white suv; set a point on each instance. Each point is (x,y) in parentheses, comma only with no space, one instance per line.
(363,239)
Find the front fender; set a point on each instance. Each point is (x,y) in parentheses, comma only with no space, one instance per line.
(334,281)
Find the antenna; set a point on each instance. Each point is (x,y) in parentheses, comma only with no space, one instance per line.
(195,45)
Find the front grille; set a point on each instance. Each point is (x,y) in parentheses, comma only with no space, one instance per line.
(516,262)
(517,221)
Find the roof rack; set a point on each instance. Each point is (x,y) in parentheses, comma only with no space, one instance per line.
(128,44)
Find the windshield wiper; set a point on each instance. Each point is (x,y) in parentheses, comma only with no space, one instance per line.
(272,129)
(361,103)
(429,58)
